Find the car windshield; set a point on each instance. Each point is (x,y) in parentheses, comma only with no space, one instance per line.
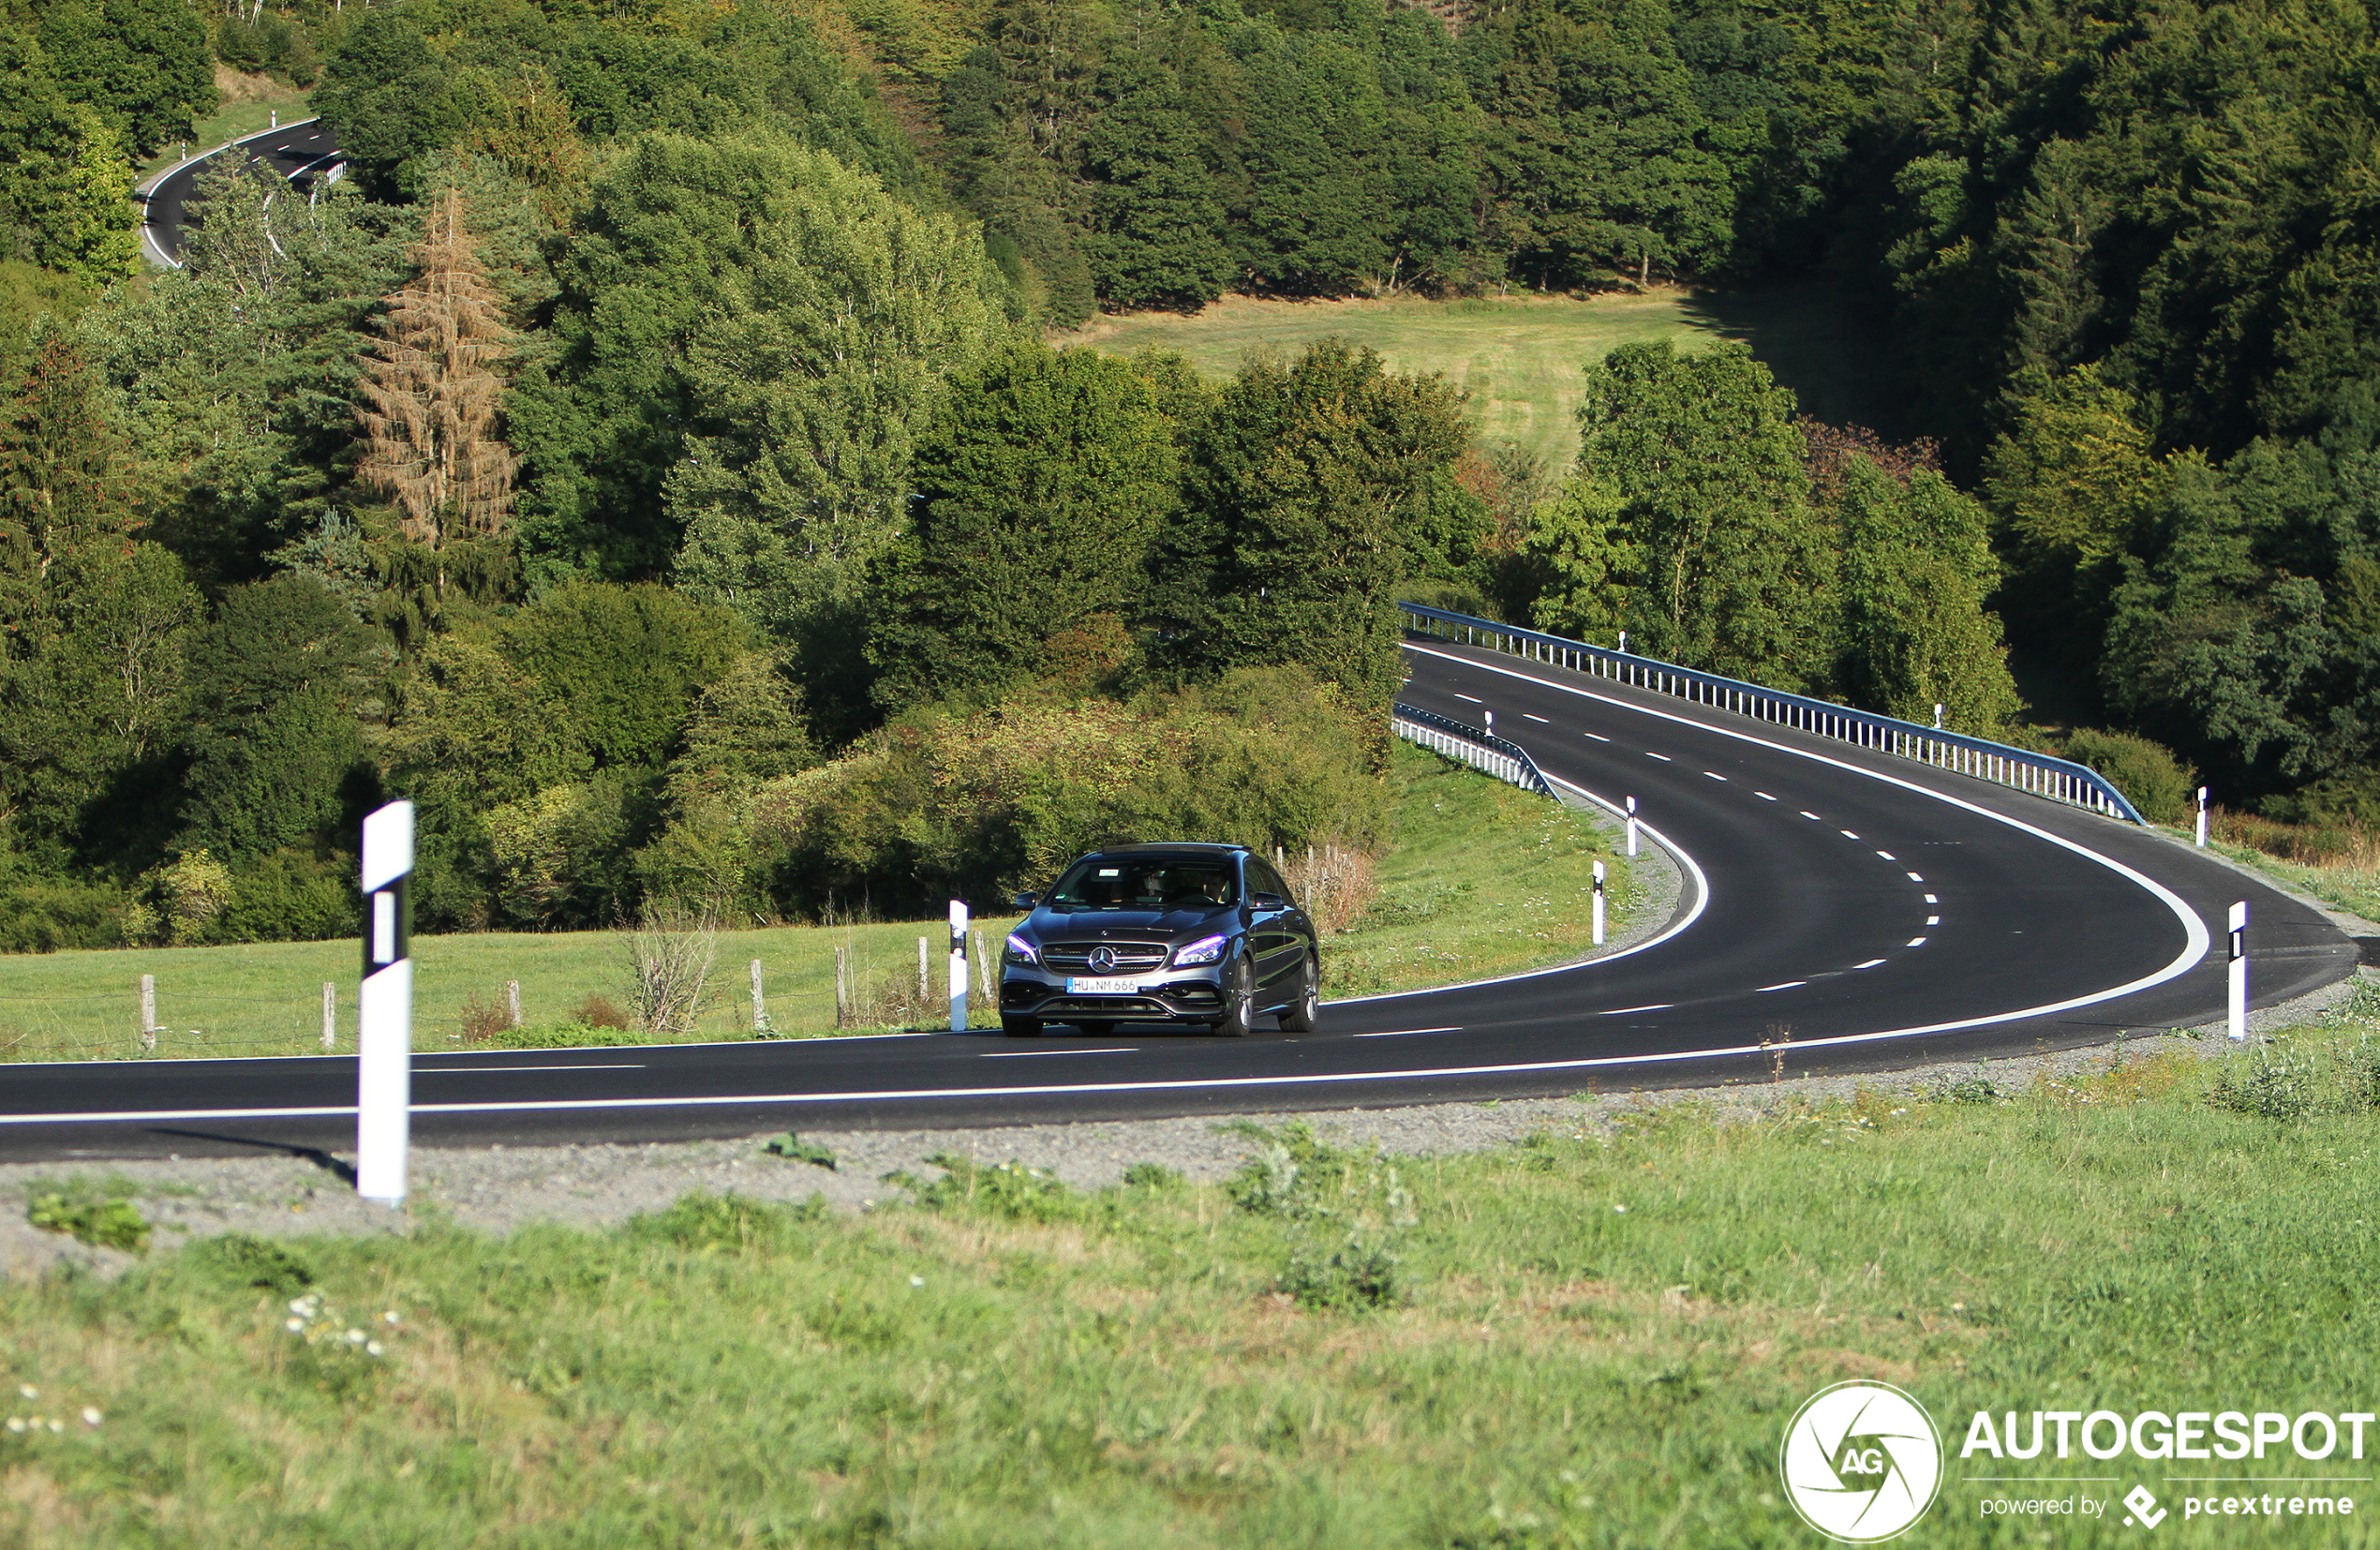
(1154,882)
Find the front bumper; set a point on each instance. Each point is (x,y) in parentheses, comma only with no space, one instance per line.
(1170,995)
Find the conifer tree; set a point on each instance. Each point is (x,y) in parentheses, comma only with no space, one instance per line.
(432,441)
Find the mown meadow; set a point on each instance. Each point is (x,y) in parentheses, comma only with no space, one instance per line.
(1594,1337)
(1481,879)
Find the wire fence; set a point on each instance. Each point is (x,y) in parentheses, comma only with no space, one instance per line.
(190,1004)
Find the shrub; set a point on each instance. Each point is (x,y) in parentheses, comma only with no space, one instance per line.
(599,1012)
(105,1224)
(1335,885)
(2160,786)
(670,955)
(1148,1175)
(484,1019)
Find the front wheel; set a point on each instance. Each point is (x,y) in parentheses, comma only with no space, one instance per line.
(1300,1015)
(1238,999)
(1019,1027)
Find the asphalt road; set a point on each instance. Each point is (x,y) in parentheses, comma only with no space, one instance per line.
(298,151)
(1884,914)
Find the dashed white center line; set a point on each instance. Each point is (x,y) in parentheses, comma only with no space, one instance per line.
(1888,856)
(1763,795)
(1916,878)
(1814,817)
(1933,920)
(1931,899)
(1598,736)
(1787,986)
(1473,698)
(1869,964)
(1916,941)
(1657,1007)
(1021,1054)
(1715,775)
(1526,716)
(1847,834)
(1663,757)
(1407,1033)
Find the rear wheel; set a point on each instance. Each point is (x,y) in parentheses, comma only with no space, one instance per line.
(1019,1027)
(1238,999)
(1300,1015)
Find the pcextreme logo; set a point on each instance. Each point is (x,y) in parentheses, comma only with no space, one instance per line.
(1861,1462)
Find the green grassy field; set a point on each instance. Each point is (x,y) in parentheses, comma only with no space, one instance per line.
(1594,1338)
(1483,879)
(1520,357)
(243,114)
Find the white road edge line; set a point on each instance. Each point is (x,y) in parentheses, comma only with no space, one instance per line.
(1526,716)
(2198,940)
(1020,1054)
(1657,1007)
(1407,1033)
(1869,964)
(473,1070)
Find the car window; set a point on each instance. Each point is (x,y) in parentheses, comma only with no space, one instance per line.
(1152,883)
(1266,880)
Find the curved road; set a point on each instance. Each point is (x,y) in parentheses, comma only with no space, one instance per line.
(1889,915)
(298,151)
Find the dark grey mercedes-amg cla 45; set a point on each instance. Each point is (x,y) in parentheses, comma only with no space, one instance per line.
(1185,933)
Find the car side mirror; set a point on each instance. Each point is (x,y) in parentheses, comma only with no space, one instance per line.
(1026,901)
(1268,901)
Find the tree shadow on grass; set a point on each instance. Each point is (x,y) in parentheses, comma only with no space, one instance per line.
(1823,340)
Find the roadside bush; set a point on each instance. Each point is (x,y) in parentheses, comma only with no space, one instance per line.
(2158,784)
(51,914)
(2288,1081)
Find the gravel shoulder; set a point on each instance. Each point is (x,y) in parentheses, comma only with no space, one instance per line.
(499,1189)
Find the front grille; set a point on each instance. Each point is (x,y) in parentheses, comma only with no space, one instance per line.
(1131,957)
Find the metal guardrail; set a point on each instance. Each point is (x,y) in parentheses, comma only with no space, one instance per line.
(1475,746)
(2058,780)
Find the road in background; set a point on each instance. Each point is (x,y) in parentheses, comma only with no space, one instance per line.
(299,153)
(1863,912)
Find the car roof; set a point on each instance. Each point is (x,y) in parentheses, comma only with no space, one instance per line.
(1179,847)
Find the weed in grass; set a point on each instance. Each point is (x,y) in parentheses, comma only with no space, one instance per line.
(1356,1278)
(714,1223)
(1148,1175)
(2279,1082)
(791,1146)
(103,1223)
(237,1259)
(1974,1088)
(1009,1189)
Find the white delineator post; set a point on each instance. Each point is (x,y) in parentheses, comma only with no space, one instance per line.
(958,967)
(2202,817)
(1632,826)
(384,1009)
(2238,986)
(1598,904)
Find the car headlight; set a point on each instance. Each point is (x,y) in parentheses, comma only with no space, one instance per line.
(1022,951)
(1205,950)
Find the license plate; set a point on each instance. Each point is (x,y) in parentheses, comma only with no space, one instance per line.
(1110,986)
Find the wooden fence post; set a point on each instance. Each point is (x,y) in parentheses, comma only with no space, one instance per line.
(760,1017)
(513,1000)
(330,1014)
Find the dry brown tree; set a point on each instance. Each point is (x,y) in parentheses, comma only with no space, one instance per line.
(431,433)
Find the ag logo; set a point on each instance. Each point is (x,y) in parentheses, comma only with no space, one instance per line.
(1861,1462)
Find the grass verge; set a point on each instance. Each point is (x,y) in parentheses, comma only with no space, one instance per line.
(1484,879)
(1595,1337)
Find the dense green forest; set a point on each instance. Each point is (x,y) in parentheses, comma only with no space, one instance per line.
(648,460)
